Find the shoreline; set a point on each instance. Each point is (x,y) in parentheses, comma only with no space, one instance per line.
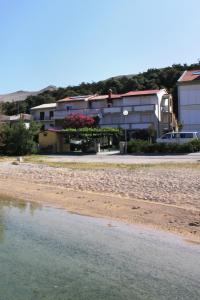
(155,215)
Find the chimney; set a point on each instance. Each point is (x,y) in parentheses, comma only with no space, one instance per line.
(109,94)
(109,100)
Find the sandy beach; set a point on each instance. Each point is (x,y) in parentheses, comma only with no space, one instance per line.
(163,197)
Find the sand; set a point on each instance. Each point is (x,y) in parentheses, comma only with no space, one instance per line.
(160,197)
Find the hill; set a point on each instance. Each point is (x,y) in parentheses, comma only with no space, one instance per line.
(22,95)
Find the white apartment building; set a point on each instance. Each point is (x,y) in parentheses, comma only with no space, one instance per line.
(145,109)
(189,100)
(44,114)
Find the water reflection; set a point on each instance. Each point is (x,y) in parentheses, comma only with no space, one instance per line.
(50,254)
(1,225)
(31,207)
(22,206)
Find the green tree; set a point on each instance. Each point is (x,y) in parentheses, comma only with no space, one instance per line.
(18,139)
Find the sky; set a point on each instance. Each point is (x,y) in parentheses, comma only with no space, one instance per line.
(66,42)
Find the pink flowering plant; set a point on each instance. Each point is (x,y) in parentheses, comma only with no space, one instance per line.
(78,121)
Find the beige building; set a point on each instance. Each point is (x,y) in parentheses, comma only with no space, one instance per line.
(151,108)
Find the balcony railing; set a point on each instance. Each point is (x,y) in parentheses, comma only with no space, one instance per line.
(166,109)
(44,119)
(141,108)
(111,110)
(61,114)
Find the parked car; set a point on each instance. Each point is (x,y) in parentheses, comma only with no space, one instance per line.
(83,145)
(75,145)
(178,137)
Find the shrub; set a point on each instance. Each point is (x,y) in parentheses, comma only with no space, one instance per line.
(184,148)
(144,134)
(140,146)
(137,146)
(196,145)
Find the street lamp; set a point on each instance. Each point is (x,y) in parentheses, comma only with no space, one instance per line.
(125,114)
(86,109)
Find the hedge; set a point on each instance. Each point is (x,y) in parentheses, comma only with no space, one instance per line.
(140,146)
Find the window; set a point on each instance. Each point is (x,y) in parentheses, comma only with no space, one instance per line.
(175,135)
(42,115)
(51,114)
(110,103)
(68,107)
(146,117)
(186,135)
(166,136)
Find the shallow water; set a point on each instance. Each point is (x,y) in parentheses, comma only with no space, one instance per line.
(47,253)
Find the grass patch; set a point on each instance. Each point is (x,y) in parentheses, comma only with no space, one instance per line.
(85,166)
(179,165)
(5,158)
(38,159)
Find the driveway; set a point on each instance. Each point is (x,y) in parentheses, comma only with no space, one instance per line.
(115,157)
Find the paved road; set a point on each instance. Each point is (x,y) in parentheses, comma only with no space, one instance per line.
(115,157)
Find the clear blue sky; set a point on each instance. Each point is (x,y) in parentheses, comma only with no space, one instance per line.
(65,42)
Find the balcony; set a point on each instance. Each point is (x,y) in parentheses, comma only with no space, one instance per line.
(36,118)
(141,108)
(61,114)
(166,109)
(112,110)
(87,111)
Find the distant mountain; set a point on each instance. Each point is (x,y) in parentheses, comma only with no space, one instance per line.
(22,95)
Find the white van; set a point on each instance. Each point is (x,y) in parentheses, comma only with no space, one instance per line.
(178,137)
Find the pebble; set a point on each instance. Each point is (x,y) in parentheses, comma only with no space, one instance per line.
(177,186)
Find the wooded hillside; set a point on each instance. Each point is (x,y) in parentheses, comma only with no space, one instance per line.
(151,79)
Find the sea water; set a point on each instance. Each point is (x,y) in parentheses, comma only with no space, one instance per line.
(47,253)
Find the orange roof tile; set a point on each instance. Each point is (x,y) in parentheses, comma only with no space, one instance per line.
(140,93)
